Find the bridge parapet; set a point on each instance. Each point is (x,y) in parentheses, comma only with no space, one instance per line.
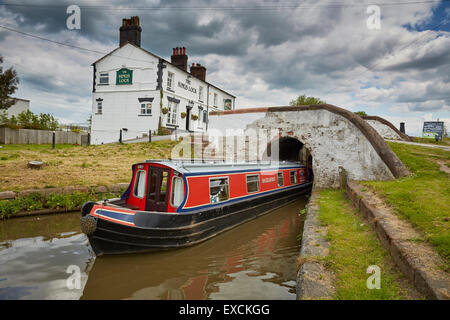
(334,137)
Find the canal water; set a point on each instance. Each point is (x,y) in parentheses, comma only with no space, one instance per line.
(47,257)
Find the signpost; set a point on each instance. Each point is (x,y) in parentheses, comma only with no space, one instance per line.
(433,130)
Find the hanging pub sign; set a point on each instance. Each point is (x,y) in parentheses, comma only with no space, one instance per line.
(124,76)
(227,104)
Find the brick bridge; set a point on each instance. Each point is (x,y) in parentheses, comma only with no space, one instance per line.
(328,136)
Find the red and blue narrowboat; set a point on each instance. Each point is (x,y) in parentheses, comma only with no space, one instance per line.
(173,204)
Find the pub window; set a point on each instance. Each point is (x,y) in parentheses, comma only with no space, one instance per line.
(170,80)
(104,78)
(252,183)
(200,114)
(280,179)
(172,113)
(177,191)
(215,100)
(200,93)
(218,190)
(293,176)
(146,108)
(99,107)
(205,116)
(139,184)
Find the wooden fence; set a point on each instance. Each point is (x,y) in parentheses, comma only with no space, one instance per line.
(29,136)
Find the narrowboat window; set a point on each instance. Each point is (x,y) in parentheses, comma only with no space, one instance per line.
(293,175)
(280,179)
(139,184)
(218,189)
(177,191)
(252,183)
(152,192)
(165,180)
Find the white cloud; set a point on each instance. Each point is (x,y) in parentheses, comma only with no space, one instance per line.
(263,57)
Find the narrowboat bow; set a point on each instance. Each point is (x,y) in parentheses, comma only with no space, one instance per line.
(172,204)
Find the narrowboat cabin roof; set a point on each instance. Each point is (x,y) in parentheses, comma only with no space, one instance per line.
(210,166)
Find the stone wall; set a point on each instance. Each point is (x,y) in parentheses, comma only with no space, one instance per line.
(334,136)
(29,136)
(386,129)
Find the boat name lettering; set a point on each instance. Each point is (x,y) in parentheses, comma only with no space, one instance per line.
(267,180)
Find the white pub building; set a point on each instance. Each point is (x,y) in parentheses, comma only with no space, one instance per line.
(134,89)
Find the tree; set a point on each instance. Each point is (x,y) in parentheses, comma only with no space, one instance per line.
(361,113)
(29,120)
(304,100)
(8,85)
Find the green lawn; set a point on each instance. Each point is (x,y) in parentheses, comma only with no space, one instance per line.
(353,248)
(424,197)
(69,165)
(444,142)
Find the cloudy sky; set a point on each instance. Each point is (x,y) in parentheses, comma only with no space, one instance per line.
(264,52)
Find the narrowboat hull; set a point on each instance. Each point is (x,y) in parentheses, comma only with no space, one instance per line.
(158,231)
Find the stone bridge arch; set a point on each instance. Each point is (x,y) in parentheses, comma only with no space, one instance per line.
(334,136)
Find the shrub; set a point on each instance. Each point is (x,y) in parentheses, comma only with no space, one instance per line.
(31,202)
(8,208)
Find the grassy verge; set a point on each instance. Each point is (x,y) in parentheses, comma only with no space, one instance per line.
(69,165)
(444,142)
(353,248)
(424,197)
(35,201)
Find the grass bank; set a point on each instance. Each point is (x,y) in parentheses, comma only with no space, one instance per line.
(69,165)
(444,142)
(424,197)
(354,247)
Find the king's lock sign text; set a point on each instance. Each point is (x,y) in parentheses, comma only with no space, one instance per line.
(124,76)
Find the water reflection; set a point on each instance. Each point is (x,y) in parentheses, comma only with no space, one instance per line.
(35,267)
(256,260)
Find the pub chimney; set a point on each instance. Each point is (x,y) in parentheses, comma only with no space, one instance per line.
(130,31)
(198,71)
(179,58)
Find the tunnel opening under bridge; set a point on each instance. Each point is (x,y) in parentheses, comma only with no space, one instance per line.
(290,149)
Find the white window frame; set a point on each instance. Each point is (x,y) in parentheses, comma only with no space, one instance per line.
(282,179)
(170,80)
(200,115)
(295,177)
(215,100)
(99,107)
(103,75)
(172,195)
(200,93)
(228,188)
(136,183)
(246,182)
(172,114)
(145,107)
